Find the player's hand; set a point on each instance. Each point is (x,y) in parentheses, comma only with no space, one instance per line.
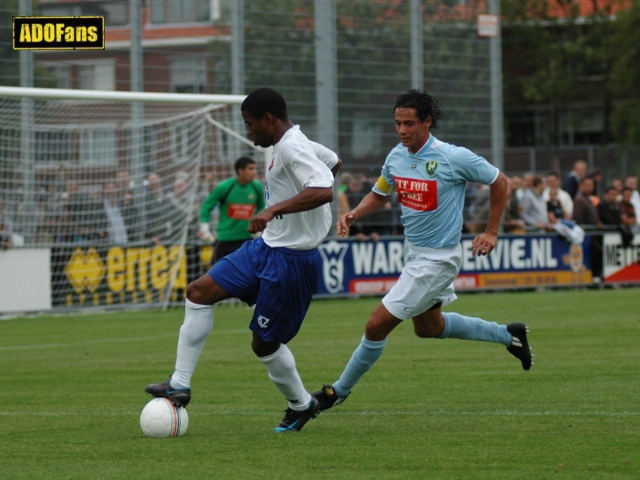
(483,244)
(205,234)
(344,222)
(259,222)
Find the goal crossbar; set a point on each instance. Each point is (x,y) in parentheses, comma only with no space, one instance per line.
(118,96)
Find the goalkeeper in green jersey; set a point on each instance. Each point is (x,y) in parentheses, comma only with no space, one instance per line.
(240,198)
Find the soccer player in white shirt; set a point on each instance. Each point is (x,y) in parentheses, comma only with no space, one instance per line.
(429,177)
(276,272)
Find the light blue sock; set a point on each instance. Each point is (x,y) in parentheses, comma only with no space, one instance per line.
(361,361)
(470,328)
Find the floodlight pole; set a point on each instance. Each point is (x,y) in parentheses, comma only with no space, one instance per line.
(27,119)
(237,68)
(417,45)
(497,113)
(327,82)
(136,65)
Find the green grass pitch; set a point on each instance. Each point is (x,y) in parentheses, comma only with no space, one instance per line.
(73,389)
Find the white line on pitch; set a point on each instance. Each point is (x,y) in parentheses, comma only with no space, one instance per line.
(500,413)
(87,342)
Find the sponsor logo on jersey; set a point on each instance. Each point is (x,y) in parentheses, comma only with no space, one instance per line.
(432,166)
(417,194)
(240,211)
(414,165)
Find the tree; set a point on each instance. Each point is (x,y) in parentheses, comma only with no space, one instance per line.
(626,76)
(556,55)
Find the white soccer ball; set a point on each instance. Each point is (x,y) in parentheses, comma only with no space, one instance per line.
(160,418)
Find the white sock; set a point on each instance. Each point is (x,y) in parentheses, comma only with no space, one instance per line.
(198,322)
(282,372)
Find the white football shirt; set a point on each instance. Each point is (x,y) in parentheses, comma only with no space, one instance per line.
(298,163)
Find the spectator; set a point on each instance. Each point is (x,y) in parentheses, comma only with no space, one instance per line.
(239,198)
(608,209)
(555,210)
(597,175)
(82,218)
(183,210)
(534,210)
(157,211)
(609,212)
(632,183)
(572,182)
(627,210)
(618,184)
(467,211)
(345,178)
(516,183)
(527,182)
(584,212)
(115,227)
(6,229)
(512,221)
(124,184)
(356,191)
(343,201)
(480,209)
(553,181)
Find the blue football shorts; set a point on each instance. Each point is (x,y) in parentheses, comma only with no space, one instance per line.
(280,282)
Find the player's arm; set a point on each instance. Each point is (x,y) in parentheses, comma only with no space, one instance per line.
(371,203)
(209,204)
(307,199)
(484,243)
(336,168)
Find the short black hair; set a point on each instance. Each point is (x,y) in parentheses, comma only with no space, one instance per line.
(609,188)
(265,100)
(553,174)
(242,163)
(423,103)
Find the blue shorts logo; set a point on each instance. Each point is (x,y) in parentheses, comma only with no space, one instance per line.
(263,321)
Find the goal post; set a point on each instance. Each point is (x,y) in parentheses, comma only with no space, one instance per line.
(111,183)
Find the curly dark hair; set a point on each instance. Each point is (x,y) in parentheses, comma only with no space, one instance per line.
(265,100)
(423,103)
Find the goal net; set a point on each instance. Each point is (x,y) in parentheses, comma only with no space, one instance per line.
(111,184)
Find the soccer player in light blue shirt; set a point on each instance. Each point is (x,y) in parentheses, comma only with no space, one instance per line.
(429,177)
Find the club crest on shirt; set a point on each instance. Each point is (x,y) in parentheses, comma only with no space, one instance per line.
(432,166)
(271,164)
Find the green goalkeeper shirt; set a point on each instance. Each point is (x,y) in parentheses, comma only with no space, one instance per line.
(238,204)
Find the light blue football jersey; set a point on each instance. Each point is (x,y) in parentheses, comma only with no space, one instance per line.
(431,185)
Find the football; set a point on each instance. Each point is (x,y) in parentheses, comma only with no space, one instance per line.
(160,418)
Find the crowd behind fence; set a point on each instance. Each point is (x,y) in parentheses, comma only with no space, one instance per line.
(72,209)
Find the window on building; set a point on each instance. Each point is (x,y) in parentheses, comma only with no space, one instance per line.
(183,11)
(61,72)
(115,12)
(99,75)
(52,147)
(98,146)
(188,74)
